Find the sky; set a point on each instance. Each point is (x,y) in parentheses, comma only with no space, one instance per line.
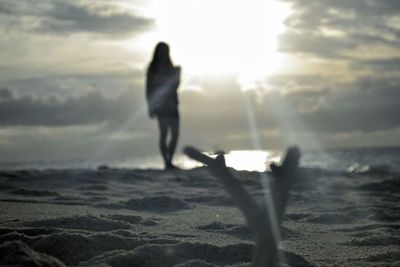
(320,74)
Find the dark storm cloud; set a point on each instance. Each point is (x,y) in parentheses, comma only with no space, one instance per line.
(4,9)
(369,104)
(69,18)
(365,105)
(352,24)
(95,107)
(311,104)
(312,44)
(88,109)
(344,30)
(62,17)
(67,85)
(295,103)
(386,65)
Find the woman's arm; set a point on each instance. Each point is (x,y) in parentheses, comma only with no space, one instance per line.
(177,77)
(149,92)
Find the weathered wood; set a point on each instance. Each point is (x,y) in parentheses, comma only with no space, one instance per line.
(284,176)
(217,166)
(258,218)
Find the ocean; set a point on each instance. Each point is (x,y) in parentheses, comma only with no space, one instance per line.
(378,159)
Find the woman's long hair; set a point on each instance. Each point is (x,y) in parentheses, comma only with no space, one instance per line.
(161,58)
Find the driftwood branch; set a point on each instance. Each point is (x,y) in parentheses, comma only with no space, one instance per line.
(259,218)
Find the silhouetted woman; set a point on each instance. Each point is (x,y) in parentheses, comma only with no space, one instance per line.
(162,97)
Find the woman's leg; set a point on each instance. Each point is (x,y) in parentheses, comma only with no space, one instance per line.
(163,127)
(174,126)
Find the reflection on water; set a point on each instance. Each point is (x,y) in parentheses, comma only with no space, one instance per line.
(259,160)
(251,160)
(248,160)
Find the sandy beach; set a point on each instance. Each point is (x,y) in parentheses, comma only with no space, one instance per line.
(130,217)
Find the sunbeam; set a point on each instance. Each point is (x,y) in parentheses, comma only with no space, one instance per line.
(102,150)
(140,112)
(256,141)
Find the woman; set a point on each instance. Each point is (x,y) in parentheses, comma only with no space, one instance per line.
(161,91)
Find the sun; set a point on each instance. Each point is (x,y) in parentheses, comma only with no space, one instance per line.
(223,36)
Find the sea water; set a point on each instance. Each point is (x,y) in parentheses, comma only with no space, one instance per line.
(385,159)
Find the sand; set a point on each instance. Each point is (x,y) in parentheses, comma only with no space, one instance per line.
(129,217)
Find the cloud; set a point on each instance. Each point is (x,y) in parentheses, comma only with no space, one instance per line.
(314,43)
(365,105)
(60,17)
(368,104)
(338,28)
(380,65)
(90,108)
(69,18)
(79,125)
(94,142)
(4,9)
(65,85)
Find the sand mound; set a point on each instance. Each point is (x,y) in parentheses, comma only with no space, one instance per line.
(88,222)
(389,214)
(387,259)
(170,255)
(212,200)
(5,186)
(180,236)
(391,185)
(97,199)
(111,206)
(296,216)
(17,253)
(73,248)
(93,188)
(238,231)
(294,260)
(195,263)
(330,218)
(385,213)
(387,227)
(375,241)
(241,232)
(157,203)
(363,212)
(29,231)
(132,219)
(15,236)
(216,226)
(205,183)
(187,254)
(33,193)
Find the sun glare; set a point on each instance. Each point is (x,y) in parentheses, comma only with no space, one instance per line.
(223,36)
